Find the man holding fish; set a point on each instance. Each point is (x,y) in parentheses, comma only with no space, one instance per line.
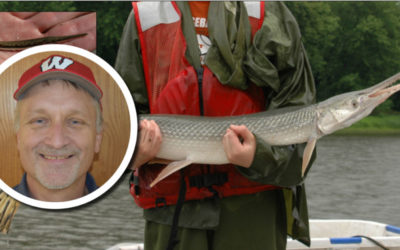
(217,59)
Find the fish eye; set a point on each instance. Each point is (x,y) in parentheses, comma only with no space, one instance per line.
(354,103)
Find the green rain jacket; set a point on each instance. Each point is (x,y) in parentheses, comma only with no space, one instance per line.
(276,61)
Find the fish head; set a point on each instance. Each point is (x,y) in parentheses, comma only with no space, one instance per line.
(343,110)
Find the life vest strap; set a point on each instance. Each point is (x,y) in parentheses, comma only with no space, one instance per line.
(208,180)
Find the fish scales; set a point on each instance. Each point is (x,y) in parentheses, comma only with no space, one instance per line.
(194,139)
(200,138)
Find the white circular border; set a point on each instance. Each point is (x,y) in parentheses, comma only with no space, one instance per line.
(133,122)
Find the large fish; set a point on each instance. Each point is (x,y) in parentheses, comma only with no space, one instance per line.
(194,139)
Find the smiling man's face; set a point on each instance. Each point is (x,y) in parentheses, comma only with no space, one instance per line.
(57,136)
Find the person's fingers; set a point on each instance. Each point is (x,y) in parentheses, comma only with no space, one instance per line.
(24,15)
(82,24)
(155,136)
(239,145)
(144,131)
(46,20)
(230,142)
(243,132)
(87,42)
(14,28)
(149,143)
(150,136)
(29,25)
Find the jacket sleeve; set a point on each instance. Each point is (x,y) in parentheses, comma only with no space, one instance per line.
(278,62)
(129,65)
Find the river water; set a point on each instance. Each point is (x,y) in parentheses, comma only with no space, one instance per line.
(353,178)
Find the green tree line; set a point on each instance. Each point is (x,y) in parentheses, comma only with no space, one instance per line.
(351,45)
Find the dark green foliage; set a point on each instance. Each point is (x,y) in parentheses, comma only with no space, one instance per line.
(351,45)
(111,18)
(37,6)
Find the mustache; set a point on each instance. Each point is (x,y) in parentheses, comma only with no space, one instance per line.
(64,151)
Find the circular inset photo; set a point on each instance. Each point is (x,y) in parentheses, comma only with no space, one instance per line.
(68,126)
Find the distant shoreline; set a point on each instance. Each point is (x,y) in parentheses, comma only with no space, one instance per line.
(374,125)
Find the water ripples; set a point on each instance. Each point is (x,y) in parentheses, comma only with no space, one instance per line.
(352,178)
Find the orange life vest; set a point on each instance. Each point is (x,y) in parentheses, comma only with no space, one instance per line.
(175,87)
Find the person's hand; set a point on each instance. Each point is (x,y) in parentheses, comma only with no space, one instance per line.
(30,25)
(239,145)
(149,143)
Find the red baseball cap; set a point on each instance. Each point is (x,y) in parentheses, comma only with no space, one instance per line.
(59,67)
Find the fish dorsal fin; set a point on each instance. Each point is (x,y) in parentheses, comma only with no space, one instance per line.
(170,169)
(307,154)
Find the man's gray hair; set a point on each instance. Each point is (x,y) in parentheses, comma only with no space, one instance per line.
(99,114)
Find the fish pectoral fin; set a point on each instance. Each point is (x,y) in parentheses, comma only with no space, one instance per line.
(170,169)
(307,154)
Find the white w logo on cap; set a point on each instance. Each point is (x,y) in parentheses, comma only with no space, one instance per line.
(55,63)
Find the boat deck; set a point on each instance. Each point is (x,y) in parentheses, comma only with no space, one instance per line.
(333,234)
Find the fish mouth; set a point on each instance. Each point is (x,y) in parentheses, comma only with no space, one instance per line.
(382,95)
(385,89)
(386,92)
